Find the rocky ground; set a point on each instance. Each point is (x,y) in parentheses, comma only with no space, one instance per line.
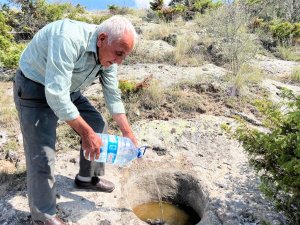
(190,160)
(196,148)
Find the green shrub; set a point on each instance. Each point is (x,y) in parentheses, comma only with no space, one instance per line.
(126,86)
(180,8)
(5,36)
(4,43)
(36,14)
(285,32)
(203,5)
(99,19)
(156,5)
(94,19)
(10,57)
(276,154)
(9,50)
(114,9)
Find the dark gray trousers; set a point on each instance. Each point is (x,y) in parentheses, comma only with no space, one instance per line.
(38,125)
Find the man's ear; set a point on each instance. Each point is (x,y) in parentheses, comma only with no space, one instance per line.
(101,39)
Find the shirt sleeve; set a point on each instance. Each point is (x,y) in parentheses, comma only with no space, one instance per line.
(111,91)
(62,53)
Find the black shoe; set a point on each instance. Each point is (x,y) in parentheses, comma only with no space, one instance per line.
(53,221)
(96,184)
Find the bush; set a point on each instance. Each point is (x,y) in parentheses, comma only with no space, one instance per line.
(9,50)
(232,44)
(203,5)
(127,87)
(276,154)
(10,57)
(117,10)
(36,14)
(156,5)
(99,19)
(5,36)
(283,31)
(270,9)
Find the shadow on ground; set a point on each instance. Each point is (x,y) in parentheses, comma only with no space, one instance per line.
(19,214)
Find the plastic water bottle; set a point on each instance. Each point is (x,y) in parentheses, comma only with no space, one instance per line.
(118,150)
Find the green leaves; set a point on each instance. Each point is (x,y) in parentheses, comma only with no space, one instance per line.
(275,153)
(9,50)
(285,30)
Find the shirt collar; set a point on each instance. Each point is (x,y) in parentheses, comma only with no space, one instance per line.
(92,45)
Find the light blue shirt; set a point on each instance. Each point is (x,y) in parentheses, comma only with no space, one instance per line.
(63,57)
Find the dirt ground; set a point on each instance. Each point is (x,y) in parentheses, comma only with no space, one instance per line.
(212,169)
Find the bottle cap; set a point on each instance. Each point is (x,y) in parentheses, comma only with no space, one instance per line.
(141,151)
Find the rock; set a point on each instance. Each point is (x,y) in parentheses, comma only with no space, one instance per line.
(159,151)
(274,67)
(169,75)
(171,39)
(104,222)
(12,156)
(74,160)
(3,138)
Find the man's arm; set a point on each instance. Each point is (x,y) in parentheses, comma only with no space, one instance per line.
(112,95)
(124,126)
(91,142)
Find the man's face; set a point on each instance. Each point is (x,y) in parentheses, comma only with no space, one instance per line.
(116,51)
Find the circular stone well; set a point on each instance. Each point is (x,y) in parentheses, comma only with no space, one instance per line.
(177,188)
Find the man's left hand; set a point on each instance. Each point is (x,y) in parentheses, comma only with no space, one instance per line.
(132,138)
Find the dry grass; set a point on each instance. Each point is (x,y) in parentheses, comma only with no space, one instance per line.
(162,30)
(247,76)
(184,54)
(153,96)
(180,101)
(295,76)
(144,53)
(8,119)
(11,178)
(8,112)
(11,145)
(67,138)
(287,53)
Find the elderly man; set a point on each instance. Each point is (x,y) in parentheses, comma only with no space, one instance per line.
(63,58)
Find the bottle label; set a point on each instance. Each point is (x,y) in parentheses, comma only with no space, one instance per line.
(112,148)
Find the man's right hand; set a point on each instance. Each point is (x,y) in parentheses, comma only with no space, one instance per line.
(91,142)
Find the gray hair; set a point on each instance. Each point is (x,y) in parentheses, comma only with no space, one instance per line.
(115,27)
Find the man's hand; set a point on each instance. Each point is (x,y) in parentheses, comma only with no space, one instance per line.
(131,137)
(91,142)
(125,128)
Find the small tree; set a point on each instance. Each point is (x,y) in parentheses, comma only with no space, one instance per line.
(287,10)
(276,154)
(5,36)
(156,5)
(37,13)
(228,28)
(9,50)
